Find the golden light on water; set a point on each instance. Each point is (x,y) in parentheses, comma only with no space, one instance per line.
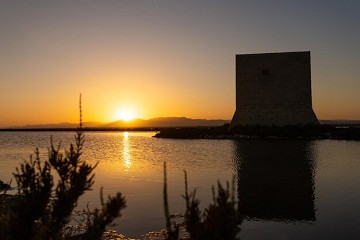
(126,150)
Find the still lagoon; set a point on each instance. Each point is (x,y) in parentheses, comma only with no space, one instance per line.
(287,189)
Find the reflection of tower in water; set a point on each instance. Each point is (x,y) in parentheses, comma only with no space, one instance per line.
(276,179)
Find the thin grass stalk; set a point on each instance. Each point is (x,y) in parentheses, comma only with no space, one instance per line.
(166,203)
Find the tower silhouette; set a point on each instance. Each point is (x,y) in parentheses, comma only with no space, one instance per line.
(273,89)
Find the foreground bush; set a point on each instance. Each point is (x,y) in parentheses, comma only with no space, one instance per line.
(41,209)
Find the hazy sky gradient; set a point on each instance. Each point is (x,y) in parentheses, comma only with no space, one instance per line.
(165,58)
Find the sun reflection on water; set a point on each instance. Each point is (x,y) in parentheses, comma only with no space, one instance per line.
(126,150)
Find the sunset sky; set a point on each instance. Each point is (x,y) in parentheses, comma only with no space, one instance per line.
(165,58)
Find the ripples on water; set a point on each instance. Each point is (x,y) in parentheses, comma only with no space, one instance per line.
(287,189)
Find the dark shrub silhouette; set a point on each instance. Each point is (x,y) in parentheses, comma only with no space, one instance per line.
(219,221)
(43,208)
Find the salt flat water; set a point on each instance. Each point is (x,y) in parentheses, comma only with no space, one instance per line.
(287,189)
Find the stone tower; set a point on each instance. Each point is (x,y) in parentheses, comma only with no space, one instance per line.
(273,89)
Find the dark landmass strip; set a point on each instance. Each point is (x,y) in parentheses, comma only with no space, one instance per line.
(340,132)
(186,128)
(85,129)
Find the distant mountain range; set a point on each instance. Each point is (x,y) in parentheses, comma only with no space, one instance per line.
(158,122)
(135,123)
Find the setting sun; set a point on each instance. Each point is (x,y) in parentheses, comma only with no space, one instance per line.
(126,114)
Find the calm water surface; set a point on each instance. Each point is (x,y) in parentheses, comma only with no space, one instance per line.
(288,189)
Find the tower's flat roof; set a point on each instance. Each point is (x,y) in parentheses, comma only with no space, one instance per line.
(272,53)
